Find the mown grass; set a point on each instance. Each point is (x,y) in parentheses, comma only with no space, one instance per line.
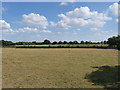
(54,68)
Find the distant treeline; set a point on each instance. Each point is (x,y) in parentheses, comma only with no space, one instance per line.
(8,43)
(112,42)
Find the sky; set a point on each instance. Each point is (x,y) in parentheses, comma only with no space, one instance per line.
(59,21)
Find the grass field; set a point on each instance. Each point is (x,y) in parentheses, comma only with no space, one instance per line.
(59,68)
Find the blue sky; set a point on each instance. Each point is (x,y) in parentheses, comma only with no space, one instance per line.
(25,21)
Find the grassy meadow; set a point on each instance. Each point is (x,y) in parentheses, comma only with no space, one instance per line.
(59,68)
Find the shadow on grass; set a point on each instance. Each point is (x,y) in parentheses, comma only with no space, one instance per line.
(107,76)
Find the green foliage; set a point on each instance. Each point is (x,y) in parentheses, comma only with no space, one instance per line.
(82,42)
(65,42)
(88,42)
(46,42)
(71,42)
(114,41)
(54,42)
(60,42)
(6,43)
(105,42)
(75,42)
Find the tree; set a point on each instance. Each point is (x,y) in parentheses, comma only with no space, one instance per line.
(102,42)
(34,42)
(105,42)
(60,42)
(19,43)
(0,42)
(65,42)
(6,43)
(82,42)
(71,42)
(75,42)
(86,42)
(89,42)
(118,42)
(54,42)
(46,42)
(114,41)
(38,43)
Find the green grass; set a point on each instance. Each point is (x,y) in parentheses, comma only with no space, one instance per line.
(54,68)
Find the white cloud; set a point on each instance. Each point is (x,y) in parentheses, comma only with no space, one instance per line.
(117,20)
(72,1)
(94,29)
(81,17)
(46,31)
(60,25)
(5,27)
(63,3)
(114,9)
(35,20)
(68,1)
(27,29)
(52,23)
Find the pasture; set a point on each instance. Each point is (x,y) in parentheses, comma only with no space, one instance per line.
(58,68)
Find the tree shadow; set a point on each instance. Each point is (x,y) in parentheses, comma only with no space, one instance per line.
(107,76)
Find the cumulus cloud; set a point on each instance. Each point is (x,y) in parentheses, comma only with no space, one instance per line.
(5,27)
(28,29)
(81,17)
(35,20)
(114,9)
(52,23)
(60,25)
